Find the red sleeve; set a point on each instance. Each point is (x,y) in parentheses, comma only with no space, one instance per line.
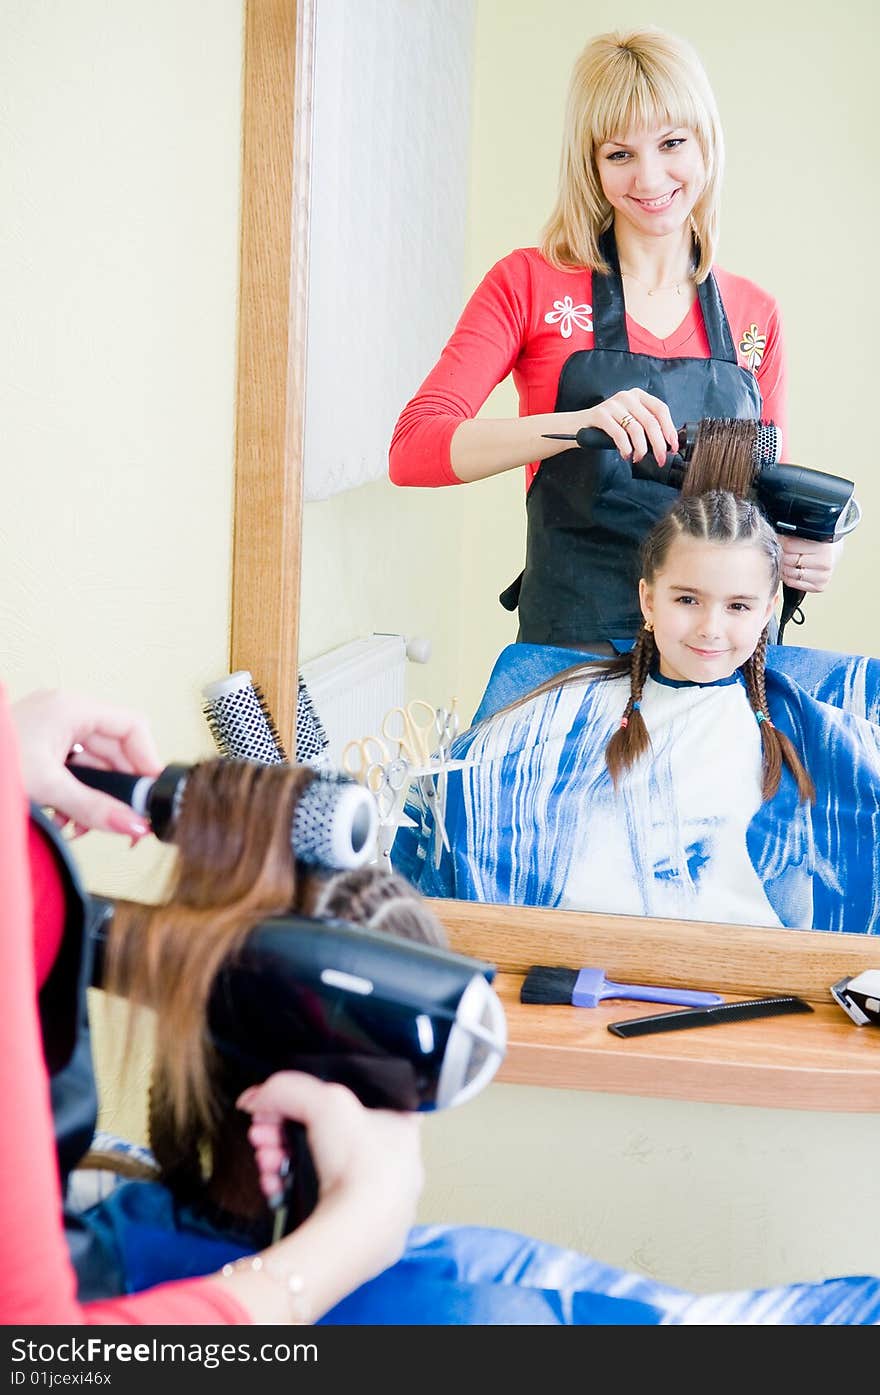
(756,326)
(47,894)
(483,349)
(37,1283)
(772,378)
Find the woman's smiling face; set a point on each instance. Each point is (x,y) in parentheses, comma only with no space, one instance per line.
(708,603)
(652,179)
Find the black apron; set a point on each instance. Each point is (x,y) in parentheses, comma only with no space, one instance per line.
(586,514)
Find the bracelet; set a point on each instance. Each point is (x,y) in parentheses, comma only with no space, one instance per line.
(275,1269)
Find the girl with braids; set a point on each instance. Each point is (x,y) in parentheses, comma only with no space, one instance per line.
(685,635)
(678,779)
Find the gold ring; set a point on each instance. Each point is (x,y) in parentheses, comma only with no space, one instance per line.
(799,559)
(800,572)
(625,420)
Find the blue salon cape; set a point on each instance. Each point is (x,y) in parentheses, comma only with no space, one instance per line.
(535,820)
(475,1275)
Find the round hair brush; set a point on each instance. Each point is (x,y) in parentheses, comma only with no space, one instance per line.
(797,500)
(334,825)
(240,721)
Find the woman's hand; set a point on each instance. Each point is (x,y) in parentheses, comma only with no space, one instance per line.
(368,1161)
(636,423)
(52,725)
(806,565)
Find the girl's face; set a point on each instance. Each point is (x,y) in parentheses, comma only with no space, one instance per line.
(709,603)
(652,179)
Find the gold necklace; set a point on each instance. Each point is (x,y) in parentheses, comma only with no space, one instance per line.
(653,290)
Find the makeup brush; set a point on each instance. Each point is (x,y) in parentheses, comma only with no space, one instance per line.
(588,987)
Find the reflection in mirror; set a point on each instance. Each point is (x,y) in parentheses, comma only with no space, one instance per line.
(433,563)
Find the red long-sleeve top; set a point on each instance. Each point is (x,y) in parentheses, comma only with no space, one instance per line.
(526,317)
(37,1281)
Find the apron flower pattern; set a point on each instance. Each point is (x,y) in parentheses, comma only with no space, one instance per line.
(752,347)
(566,314)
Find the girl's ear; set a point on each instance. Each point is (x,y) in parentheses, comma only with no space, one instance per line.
(646,599)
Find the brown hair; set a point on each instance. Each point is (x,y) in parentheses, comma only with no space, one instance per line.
(718,517)
(234,867)
(723,458)
(624,81)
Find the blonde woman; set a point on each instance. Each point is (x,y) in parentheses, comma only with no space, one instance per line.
(619,320)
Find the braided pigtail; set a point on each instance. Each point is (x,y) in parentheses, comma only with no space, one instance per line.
(631,740)
(775,745)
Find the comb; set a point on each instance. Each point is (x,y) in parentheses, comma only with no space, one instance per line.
(708,1017)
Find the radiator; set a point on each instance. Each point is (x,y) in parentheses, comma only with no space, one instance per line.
(352,688)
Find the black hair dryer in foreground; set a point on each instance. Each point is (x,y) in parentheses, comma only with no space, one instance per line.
(403,1025)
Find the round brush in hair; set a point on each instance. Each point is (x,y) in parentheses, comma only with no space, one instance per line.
(334,824)
(766,449)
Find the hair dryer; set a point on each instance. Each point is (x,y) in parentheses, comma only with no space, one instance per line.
(796,500)
(403,1025)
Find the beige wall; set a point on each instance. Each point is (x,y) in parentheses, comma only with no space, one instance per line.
(120,129)
(120,186)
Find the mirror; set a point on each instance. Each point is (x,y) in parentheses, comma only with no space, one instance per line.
(797,189)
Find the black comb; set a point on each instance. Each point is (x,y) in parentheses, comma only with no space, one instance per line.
(708,1017)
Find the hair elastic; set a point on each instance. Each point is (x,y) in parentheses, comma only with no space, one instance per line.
(759,718)
(624,721)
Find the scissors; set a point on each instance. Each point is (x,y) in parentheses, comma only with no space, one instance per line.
(414,728)
(389,783)
(365,755)
(446,725)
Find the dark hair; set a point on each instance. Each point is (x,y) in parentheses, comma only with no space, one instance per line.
(718,517)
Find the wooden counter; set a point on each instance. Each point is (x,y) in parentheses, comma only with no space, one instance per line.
(819,1061)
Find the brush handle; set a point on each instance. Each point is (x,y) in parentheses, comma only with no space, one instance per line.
(155,799)
(646,993)
(302,1187)
(133,790)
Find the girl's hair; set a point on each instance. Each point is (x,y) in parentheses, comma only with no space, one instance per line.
(626,81)
(717,517)
(234,867)
(723,457)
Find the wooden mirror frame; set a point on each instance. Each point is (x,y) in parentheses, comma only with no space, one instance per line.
(270,393)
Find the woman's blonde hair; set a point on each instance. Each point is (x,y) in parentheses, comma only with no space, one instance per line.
(626,81)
